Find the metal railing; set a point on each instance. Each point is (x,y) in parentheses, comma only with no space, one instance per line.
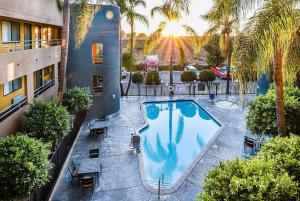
(12,46)
(43,88)
(13,108)
(197,88)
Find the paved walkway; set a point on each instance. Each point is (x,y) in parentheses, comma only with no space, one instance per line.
(120,179)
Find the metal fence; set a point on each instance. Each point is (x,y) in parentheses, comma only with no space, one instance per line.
(58,159)
(218,88)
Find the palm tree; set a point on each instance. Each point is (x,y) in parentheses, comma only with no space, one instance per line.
(224,20)
(85,13)
(171,11)
(271,38)
(132,16)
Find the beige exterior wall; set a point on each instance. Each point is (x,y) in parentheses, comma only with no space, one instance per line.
(42,11)
(24,63)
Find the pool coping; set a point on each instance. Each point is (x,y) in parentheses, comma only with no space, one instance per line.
(192,166)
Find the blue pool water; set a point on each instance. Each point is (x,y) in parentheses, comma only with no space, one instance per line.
(177,132)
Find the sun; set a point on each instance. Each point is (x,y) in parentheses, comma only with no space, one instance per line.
(173,28)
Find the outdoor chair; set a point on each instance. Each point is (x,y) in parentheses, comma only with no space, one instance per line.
(73,173)
(94,153)
(87,183)
(250,143)
(135,142)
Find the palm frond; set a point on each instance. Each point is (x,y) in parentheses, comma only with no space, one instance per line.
(154,38)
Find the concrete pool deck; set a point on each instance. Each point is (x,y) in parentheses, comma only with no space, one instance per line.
(121,179)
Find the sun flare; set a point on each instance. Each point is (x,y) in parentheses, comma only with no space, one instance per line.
(173,28)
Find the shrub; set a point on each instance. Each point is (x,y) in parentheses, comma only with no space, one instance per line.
(271,175)
(253,180)
(261,118)
(46,121)
(77,100)
(153,78)
(24,165)
(207,76)
(188,76)
(137,78)
(285,151)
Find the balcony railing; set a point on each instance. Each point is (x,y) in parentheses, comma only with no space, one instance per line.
(28,44)
(43,88)
(13,108)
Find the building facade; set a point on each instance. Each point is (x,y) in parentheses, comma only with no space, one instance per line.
(29,57)
(96,63)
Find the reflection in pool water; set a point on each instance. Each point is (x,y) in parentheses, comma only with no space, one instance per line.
(177,133)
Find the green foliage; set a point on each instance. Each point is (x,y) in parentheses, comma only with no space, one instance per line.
(126,60)
(212,48)
(60,4)
(77,100)
(271,175)
(153,78)
(24,165)
(285,151)
(137,78)
(46,121)
(207,76)
(188,76)
(261,118)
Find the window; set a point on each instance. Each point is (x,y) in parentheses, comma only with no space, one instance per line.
(10,32)
(47,70)
(97,52)
(97,84)
(12,86)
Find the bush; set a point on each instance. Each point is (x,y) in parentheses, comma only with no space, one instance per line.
(153,78)
(24,165)
(46,121)
(188,76)
(253,180)
(285,151)
(207,76)
(137,78)
(271,175)
(77,100)
(261,118)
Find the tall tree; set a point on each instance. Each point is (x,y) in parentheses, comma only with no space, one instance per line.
(224,20)
(172,11)
(271,38)
(132,16)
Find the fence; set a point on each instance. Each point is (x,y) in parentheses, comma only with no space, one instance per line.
(58,159)
(198,88)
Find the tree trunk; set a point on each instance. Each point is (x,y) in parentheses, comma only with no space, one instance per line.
(171,66)
(228,55)
(64,50)
(131,55)
(278,81)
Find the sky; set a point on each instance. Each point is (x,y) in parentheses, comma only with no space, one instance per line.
(198,7)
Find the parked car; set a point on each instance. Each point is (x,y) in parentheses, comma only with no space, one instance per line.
(191,68)
(124,73)
(221,72)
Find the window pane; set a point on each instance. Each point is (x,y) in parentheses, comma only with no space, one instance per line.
(17,84)
(97,84)
(15,31)
(6,31)
(7,88)
(97,51)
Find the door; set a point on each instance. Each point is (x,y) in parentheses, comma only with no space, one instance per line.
(39,79)
(27,37)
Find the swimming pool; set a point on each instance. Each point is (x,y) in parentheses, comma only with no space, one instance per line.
(176,134)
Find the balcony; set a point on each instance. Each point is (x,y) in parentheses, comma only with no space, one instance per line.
(28,44)
(43,88)
(17,103)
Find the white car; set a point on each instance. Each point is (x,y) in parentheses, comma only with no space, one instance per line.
(191,68)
